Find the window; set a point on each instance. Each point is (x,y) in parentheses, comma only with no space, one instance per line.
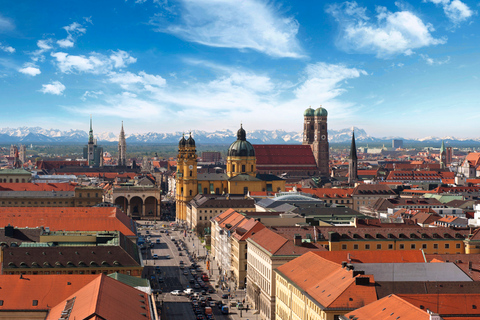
(233,168)
(217,190)
(424,246)
(211,189)
(402,246)
(367,247)
(200,218)
(457,246)
(344,247)
(88,195)
(447,246)
(35,303)
(355,247)
(190,192)
(205,190)
(435,246)
(379,247)
(243,168)
(245,190)
(199,189)
(412,246)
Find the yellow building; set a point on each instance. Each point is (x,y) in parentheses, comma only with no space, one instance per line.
(241,176)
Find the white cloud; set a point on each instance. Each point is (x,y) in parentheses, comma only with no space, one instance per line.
(392,33)
(74,30)
(6,24)
(455,10)
(55,87)
(30,70)
(91,94)
(65,43)
(432,62)
(122,59)
(7,48)
(140,81)
(232,95)
(44,44)
(247,24)
(95,63)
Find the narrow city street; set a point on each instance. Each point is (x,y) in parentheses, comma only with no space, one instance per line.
(168,266)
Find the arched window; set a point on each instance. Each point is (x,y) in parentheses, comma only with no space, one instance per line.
(233,168)
(191,173)
(190,192)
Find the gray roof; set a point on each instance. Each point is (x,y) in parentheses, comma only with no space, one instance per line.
(413,271)
(212,176)
(244,177)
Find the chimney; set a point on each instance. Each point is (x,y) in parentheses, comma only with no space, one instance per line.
(297,240)
(344,264)
(469,265)
(9,231)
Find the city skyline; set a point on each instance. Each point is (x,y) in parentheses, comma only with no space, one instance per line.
(400,69)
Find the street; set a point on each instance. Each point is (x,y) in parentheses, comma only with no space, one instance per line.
(168,266)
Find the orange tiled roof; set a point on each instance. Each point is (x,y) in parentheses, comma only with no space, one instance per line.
(367,256)
(446,304)
(327,282)
(68,218)
(473,158)
(105,298)
(329,192)
(48,290)
(390,307)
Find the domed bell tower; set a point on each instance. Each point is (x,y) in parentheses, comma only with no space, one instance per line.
(320,144)
(241,156)
(186,175)
(308,126)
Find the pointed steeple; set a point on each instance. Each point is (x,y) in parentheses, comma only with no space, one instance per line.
(353,148)
(442,148)
(90,135)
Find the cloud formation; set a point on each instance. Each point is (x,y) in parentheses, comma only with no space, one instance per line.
(30,70)
(95,63)
(7,49)
(74,30)
(455,10)
(6,24)
(55,87)
(391,34)
(248,24)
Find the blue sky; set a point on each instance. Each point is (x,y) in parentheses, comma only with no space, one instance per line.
(405,68)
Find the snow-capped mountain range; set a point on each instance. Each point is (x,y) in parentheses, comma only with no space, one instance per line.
(41,135)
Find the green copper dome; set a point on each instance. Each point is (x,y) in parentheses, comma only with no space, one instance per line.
(309,112)
(241,147)
(321,112)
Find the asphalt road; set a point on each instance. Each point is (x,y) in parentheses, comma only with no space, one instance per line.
(166,274)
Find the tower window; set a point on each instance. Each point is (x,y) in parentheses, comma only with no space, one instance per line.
(190,192)
(245,190)
(251,168)
(190,173)
(233,168)
(243,168)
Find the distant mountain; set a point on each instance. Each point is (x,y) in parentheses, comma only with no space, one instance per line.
(39,135)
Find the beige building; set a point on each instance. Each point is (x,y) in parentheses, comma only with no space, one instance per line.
(202,208)
(365,195)
(240,249)
(269,249)
(15,176)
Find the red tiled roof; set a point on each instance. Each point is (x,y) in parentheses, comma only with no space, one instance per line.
(390,307)
(367,256)
(464,304)
(105,298)
(284,155)
(68,218)
(18,293)
(473,158)
(37,186)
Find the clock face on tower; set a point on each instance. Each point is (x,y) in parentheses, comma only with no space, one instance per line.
(190,167)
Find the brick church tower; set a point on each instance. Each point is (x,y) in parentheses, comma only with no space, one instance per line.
(315,134)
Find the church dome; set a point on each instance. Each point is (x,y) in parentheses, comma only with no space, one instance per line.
(309,112)
(182,142)
(321,112)
(190,141)
(241,147)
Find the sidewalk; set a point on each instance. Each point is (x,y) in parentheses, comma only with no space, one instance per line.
(214,276)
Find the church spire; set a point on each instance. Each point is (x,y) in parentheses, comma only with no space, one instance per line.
(353,162)
(90,135)
(353,148)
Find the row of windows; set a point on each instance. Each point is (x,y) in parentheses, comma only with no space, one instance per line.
(11,180)
(401,246)
(88,195)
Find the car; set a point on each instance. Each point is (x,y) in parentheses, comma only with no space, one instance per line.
(212,304)
(225,296)
(211,290)
(182,267)
(181,261)
(152,277)
(240,306)
(192,280)
(155,256)
(160,279)
(204,292)
(167,256)
(209,298)
(188,291)
(185,273)
(197,286)
(193,272)
(176,293)
(180,254)
(157,268)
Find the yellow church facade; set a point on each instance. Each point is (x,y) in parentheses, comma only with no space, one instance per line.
(241,174)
